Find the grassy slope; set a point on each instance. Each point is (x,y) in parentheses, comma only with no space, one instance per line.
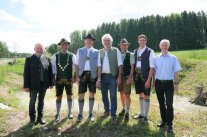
(194,73)
(186,122)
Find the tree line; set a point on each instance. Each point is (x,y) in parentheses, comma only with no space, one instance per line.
(187,30)
(5,53)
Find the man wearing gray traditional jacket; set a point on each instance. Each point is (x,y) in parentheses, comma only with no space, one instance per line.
(111,61)
(88,74)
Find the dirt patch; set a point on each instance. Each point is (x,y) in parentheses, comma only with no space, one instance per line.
(14,80)
(50,102)
(3,90)
(183,104)
(17,117)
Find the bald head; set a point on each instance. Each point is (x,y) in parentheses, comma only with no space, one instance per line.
(39,48)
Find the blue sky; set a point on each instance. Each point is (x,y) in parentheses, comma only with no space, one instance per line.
(26,22)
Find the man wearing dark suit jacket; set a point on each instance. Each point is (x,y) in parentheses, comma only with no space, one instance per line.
(38,78)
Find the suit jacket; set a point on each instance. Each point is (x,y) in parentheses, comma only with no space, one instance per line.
(32,74)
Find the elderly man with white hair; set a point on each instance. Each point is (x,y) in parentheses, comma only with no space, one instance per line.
(111,60)
(37,78)
(166,84)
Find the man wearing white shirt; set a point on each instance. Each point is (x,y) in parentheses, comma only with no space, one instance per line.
(111,60)
(144,64)
(62,66)
(88,74)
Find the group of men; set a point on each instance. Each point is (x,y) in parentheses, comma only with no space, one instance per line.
(107,69)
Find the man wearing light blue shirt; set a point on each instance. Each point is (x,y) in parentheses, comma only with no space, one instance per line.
(166,83)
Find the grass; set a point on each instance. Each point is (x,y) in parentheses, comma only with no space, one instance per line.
(2,75)
(186,123)
(194,64)
(9,81)
(10,99)
(16,68)
(192,54)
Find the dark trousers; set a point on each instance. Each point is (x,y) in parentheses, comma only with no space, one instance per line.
(32,102)
(165,92)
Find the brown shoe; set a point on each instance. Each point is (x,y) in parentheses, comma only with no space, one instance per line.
(105,115)
(113,119)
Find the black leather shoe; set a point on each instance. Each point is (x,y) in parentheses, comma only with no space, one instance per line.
(31,122)
(121,113)
(91,118)
(57,118)
(79,118)
(41,121)
(170,129)
(138,116)
(126,116)
(161,124)
(144,120)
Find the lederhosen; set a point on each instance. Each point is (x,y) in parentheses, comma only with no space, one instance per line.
(86,80)
(141,74)
(64,73)
(125,73)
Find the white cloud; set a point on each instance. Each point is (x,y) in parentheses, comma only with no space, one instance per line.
(11,20)
(47,21)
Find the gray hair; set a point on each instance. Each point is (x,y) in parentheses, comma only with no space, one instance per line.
(108,36)
(166,41)
(39,44)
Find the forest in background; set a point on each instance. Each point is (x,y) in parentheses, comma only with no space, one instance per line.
(186,31)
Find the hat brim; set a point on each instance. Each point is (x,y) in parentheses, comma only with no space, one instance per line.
(89,38)
(63,42)
(124,43)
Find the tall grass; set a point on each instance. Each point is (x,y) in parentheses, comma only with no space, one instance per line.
(16,68)
(192,54)
(2,75)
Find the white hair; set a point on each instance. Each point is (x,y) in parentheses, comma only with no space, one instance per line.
(107,36)
(39,44)
(165,41)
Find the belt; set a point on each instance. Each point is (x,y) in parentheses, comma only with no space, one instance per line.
(165,81)
(138,70)
(87,71)
(106,74)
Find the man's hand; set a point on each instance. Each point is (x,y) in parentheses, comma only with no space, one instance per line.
(147,84)
(77,80)
(26,90)
(98,83)
(153,83)
(175,88)
(118,81)
(73,80)
(128,81)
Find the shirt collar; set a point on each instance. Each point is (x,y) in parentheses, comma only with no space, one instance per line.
(143,48)
(125,52)
(89,48)
(166,55)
